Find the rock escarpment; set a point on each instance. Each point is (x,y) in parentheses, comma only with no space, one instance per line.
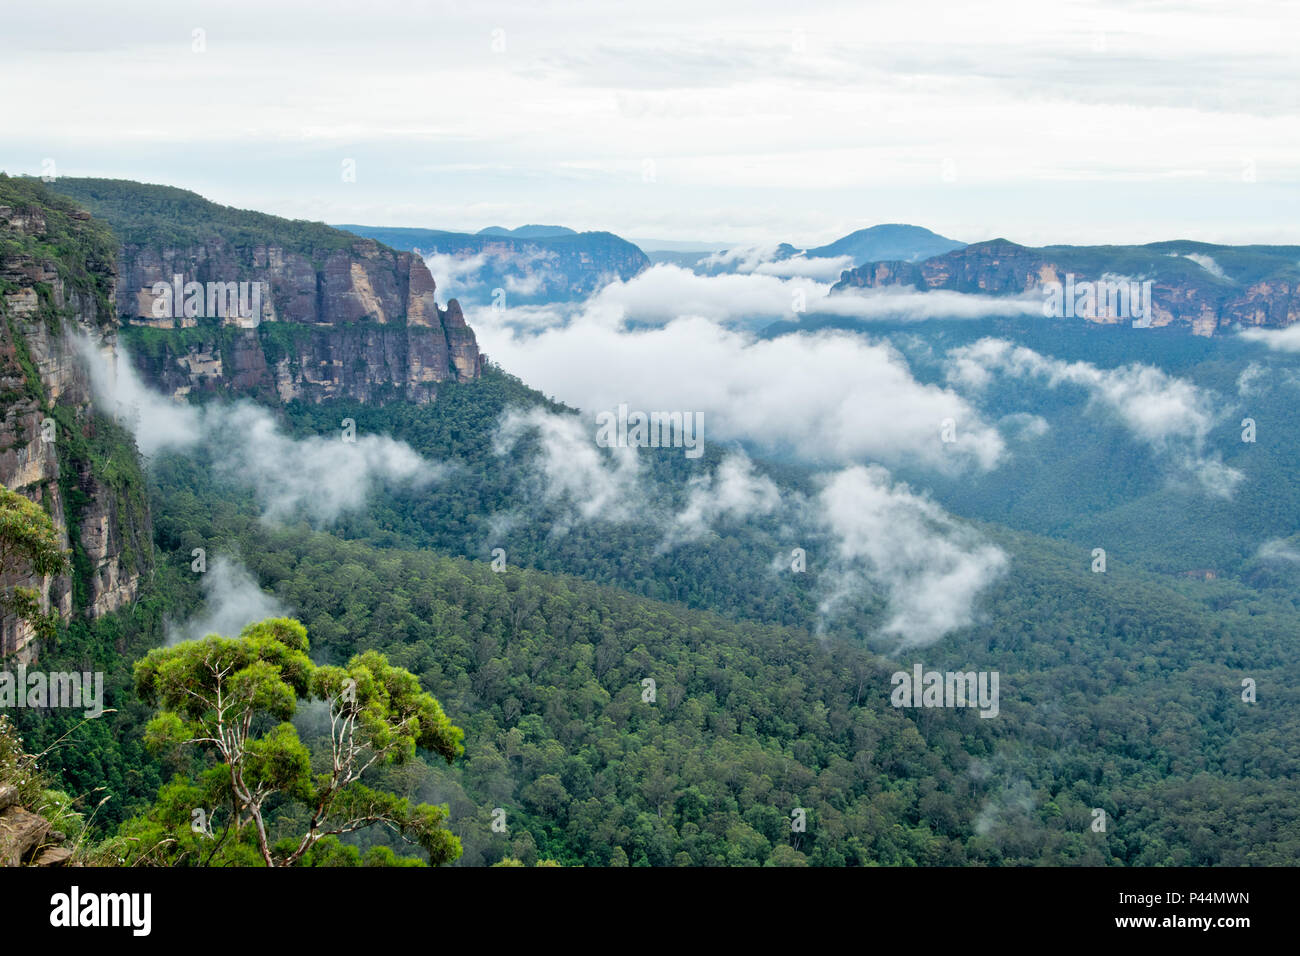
(1196,286)
(57,446)
(336,316)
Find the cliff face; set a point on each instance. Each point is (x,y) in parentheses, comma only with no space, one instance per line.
(1200,287)
(321,314)
(56,445)
(359,323)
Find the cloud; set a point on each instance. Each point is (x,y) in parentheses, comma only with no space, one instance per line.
(584,481)
(825,269)
(1207,263)
(156,421)
(232,599)
(1279,340)
(740,258)
(1249,379)
(1024,426)
(666,292)
(930,568)
(317,477)
(734,492)
(829,397)
(765,260)
(883,538)
(455,275)
(1278,549)
(1170,415)
(529,284)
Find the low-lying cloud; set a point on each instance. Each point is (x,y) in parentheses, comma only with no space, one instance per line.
(1278,549)
(930,568)
(232,600)
(574,475)
(876,537)
(1170,415)
(1279,340)
(832,398)
(320,478)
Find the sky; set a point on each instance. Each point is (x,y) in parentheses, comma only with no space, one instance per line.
(715,123)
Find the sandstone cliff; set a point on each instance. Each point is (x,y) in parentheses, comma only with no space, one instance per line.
(1196,286)
(56,446)
(336,315)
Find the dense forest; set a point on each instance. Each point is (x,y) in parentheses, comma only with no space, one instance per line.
(1121,692)
(546,689)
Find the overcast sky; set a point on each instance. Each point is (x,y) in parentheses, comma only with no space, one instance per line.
(722,122)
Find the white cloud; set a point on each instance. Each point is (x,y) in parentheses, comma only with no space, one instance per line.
(232,599)
(1278,549)
(665,292)
(751,130)
(883,538)
(743,258)
(1279,340)
(930,568)
(588,482)
(1248,382)
(762,260)
(830,397)
(1170,415)
(1208,264)
(734,492)
(823,269)
(455,275)
(315,476)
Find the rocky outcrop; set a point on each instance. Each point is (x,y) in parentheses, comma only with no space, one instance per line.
(363,324)
(56,282)
(1196,286)
(26,838)
(215,299)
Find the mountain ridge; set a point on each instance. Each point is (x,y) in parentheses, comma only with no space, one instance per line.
(1204,287)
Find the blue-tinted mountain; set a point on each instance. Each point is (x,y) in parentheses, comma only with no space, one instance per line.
(528,269)
(528,232)
(894,241)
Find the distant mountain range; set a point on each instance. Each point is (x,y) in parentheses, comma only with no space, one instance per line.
(528,265)
(528,232)
(1199,285)
(895,242)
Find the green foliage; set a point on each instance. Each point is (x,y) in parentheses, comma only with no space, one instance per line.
(160,217)
(82,250)
(233,698)
(29,545)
